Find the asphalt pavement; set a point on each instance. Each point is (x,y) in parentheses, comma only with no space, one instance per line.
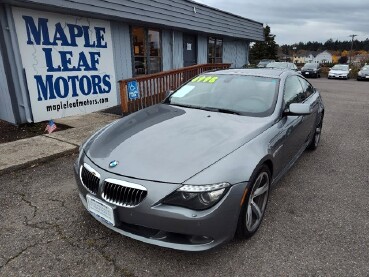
(316,223)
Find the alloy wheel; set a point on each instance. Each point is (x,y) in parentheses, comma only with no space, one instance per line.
(257,202)
(318,131)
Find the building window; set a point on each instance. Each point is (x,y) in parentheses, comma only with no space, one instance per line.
(147,54)
(215,50)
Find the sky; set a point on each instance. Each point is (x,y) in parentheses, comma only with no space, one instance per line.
(293,21)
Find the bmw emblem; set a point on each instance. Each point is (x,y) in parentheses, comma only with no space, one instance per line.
(113,164)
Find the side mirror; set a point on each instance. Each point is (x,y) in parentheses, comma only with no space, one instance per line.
(350,69)
(299,109)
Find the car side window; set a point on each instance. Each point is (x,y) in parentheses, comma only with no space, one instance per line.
(293,92)
(307,87)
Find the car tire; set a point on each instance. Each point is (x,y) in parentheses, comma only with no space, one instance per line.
(313,145)
(254,204)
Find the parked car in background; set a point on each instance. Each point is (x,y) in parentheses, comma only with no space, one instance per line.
(196,170)
(311,70)
(363,74)
(282,65)
(263,63)
(339,71)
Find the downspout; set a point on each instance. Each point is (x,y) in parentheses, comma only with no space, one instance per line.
(172,50)
(248,52)
(18,64)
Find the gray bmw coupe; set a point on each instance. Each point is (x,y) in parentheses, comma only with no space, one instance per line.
(196,171)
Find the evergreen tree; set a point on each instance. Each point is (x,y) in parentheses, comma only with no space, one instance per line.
(264,49)
(328,45)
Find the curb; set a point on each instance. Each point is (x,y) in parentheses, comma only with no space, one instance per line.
(38,161)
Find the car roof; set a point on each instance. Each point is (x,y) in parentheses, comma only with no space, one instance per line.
(260,72)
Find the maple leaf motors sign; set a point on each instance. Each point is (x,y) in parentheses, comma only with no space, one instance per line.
(68,61)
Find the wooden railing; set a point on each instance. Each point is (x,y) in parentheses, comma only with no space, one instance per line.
(152,88)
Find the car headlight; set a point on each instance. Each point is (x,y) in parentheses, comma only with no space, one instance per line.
(197,197)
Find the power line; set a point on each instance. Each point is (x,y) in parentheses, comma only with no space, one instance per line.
(352,44)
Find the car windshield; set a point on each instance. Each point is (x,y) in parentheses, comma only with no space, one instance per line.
(310,66)
(263,63)
(340,67)
(277,65)
(235,94)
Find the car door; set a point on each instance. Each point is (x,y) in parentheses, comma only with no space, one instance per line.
(292,128)
(312,99)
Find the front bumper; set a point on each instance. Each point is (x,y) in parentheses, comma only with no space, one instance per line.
(170,226)
(309,74)
(337,76)
(363,77)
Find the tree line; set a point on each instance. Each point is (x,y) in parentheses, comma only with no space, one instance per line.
(328,45)
(269,49)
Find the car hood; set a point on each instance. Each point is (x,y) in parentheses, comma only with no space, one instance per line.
(339,71)
(171,144)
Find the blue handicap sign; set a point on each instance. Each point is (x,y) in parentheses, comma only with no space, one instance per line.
(133,91)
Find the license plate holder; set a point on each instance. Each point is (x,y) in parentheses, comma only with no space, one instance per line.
(100,209)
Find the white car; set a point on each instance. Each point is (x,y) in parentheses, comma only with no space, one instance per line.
(339,71)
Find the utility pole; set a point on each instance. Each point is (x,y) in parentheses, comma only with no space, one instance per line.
(293,53)
(352,45)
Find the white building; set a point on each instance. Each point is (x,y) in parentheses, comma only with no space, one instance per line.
(304,56)
(61,58)
(323,57)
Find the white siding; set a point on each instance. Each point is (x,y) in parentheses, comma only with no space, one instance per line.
(122,52)
(241,54)
(235,52)
(324,57)
(166,37)
(178,50)
(180,14)
(202,49)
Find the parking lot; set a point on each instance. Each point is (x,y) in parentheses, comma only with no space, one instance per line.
(317,220)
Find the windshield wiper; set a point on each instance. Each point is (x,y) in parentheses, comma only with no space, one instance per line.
(220,110)
(186,106)
(211,109)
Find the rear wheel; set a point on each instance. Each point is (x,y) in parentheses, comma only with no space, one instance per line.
(253,208)
(317,134)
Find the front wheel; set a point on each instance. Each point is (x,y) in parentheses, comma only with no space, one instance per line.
(253,208)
